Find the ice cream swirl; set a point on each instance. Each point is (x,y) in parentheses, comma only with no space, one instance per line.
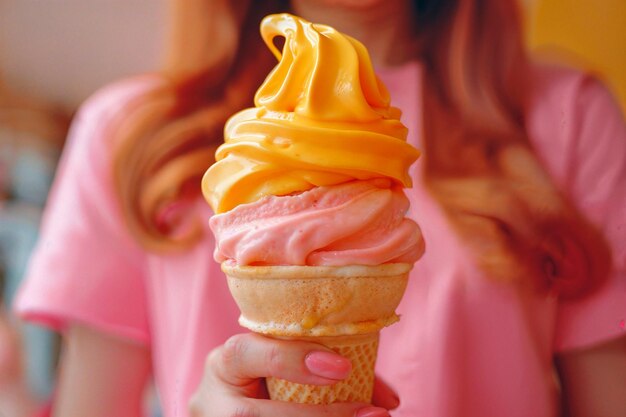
(322,117)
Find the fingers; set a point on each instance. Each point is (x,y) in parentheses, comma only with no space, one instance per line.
(384,395)
(238,365)
(247,357)
(267,408)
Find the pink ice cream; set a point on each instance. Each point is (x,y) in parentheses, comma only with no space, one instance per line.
(355,223)
(313,174)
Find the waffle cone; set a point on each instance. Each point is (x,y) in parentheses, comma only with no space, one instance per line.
(343,308)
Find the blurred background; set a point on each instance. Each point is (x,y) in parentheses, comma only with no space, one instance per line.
(55,53)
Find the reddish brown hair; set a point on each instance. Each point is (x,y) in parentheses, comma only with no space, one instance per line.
(479,163)
(168,141)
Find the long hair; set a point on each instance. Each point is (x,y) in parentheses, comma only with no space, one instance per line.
(169,139)
(478,164)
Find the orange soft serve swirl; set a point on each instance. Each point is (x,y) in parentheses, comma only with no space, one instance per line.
(322,118)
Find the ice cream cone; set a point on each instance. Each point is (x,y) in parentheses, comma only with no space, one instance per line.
(343,308)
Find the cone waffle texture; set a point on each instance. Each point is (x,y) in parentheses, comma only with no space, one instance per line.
(343,308)
(361,350)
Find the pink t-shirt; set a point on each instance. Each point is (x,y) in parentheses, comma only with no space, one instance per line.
(465,346)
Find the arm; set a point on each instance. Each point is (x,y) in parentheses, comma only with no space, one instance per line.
(594,380)
(16,399)
(101,376)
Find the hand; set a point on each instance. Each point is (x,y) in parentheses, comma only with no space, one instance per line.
(233,380)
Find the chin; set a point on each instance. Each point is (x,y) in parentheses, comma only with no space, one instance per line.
(353,4)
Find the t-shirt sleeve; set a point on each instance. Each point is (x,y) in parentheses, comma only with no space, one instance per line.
(598,186)
(86,268)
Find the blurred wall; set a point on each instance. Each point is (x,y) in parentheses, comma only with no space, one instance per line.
(589,33)
(63,50)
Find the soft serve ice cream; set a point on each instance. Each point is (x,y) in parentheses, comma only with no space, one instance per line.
(313,174)
(354,223)
(310,217)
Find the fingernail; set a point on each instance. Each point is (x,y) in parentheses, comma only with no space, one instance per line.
(328,365)
(372,412)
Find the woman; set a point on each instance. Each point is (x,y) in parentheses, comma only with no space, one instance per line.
(516,282)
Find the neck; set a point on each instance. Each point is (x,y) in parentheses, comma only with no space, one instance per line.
(386,28)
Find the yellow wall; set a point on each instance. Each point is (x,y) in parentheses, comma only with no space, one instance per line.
(592,32)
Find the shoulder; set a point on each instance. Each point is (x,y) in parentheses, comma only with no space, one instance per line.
(116,98)
(95,122)
(84,175)
(568,108)
(111,96)
(557,84)
(560,94)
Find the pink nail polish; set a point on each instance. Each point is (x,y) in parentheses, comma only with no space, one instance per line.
(328,365)
(372,412)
